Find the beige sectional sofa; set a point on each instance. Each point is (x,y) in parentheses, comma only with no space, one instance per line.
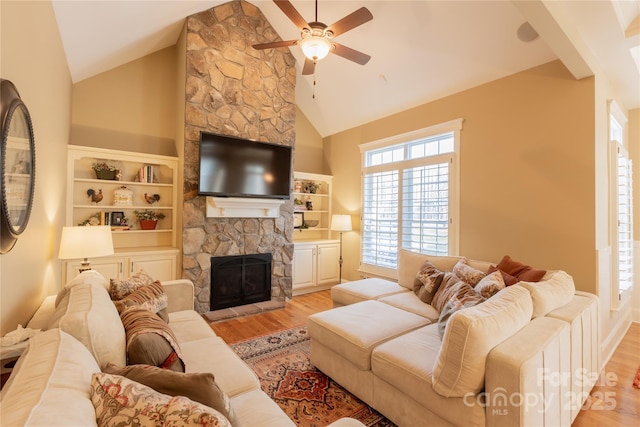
(50,384)
(527,356)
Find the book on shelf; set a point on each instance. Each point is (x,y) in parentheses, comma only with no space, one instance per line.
(145,174)
(120,227)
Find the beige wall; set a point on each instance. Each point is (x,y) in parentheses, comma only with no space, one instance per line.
(527,169)
(131,107)
(35,62)
(308,153)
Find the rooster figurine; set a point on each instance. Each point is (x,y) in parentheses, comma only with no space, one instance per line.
(93,196)
(152,199)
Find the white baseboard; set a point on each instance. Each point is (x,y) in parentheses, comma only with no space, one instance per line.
(611,343)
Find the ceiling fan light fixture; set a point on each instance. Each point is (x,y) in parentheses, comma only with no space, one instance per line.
(315,47)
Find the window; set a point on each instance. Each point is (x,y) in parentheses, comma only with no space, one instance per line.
(410,196)
(621,209)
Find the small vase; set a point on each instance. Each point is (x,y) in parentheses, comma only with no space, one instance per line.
(148,224)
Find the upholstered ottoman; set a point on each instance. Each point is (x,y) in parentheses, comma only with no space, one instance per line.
(363,290)
(343,338)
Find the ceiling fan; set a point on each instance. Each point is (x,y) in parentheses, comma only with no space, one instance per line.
(316,39)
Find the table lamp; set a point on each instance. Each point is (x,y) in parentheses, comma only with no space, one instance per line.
(84,242)
(341,223)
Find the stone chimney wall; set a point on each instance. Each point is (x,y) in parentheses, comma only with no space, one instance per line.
(233,89)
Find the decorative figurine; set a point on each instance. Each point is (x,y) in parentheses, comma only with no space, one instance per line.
(309,203)
(93,196)
(152,199)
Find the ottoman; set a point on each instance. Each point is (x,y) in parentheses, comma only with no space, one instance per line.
(343,338)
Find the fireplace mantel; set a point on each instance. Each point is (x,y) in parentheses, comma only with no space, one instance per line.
(235,207)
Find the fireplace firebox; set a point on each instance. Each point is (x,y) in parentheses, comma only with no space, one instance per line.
(240,280)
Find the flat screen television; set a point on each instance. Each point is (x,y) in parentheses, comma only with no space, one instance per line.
(235,167)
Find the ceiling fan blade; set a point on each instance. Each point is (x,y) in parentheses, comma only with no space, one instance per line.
(275,44)
(309,67)
(292,13)
(350,54)
(351,21)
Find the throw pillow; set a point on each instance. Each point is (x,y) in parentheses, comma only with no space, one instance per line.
(429,278)
(199,387)
(451,287)
(467,273)
(150,341)
(490,285)
(508,279)
(468,298)
(120,288)
(120,401)
(152,297)
(519,270)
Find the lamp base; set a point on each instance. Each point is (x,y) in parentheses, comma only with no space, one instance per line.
(84,266)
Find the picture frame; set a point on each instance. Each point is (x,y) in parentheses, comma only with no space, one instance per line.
(298,219)
(117,219)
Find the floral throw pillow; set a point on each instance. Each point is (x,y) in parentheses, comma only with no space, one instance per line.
(119,401)
(491,284)
(467,273)
(120,288)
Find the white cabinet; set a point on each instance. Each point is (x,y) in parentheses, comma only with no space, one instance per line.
(159,264)
(315,266)
(151,183)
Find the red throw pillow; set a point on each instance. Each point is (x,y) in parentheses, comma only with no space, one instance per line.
(517,270)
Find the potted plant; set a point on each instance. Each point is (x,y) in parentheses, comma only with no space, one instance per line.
(148,219)
(104,170)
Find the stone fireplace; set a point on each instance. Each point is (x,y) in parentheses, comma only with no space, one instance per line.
(233,89)
(240,280)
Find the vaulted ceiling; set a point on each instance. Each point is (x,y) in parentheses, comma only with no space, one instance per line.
(421,50)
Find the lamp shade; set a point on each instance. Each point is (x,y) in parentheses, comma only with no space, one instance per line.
(341,222)
(85,242)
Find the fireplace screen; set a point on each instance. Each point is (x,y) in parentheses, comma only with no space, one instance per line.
(239,280)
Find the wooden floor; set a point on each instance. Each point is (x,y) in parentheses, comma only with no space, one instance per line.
(616,404)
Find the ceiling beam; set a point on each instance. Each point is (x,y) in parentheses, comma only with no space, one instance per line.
(559,35)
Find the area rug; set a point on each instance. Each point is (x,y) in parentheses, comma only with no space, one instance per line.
(306,395)
(636,380)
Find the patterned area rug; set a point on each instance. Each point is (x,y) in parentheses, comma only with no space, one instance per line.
(309,398)
(636,380)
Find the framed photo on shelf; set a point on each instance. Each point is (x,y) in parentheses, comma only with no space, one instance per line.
(117,219)
(298,219)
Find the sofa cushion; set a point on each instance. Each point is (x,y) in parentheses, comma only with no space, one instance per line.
(150,341)
(363,290)
(471,334)
(86,312)
(199,387)
(121,401)
(53,371)
(408,301)
(355,330)
(215,356)
(429,280)
(490,285)
(554,290)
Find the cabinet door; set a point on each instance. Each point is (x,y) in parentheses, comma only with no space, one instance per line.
(328,263)
(112,268)
(160,267)
(304,266)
